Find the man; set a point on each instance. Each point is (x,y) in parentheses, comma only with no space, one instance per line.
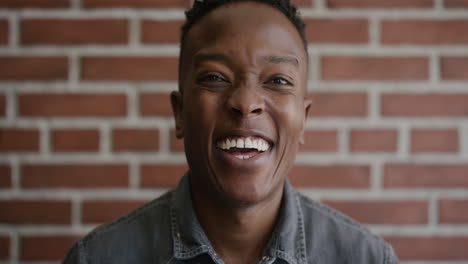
(241,110)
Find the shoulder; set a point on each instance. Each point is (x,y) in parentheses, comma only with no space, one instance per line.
(336,238)
(127,239)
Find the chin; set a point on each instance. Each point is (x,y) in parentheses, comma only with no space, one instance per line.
(245,190)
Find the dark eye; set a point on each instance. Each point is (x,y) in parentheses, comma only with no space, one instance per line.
(279,81)
(212,78)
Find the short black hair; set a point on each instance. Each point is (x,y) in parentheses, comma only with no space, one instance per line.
(201,8)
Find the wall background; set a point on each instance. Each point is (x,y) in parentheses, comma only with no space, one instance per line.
(86,132)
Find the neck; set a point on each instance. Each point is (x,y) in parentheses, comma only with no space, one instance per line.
(238,234)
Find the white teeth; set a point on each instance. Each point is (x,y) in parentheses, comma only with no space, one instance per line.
(240,143)
(248,143)
(244,142)
(255,144)
(242,157)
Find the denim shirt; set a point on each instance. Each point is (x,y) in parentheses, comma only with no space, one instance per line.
(166,230)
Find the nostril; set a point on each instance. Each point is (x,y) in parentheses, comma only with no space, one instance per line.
(257,111)
(236,111)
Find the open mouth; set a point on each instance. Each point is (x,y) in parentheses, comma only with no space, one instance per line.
(243,147)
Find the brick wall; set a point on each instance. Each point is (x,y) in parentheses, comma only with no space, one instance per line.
(86,132)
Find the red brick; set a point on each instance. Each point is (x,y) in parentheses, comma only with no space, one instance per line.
(106,210)
(74,176)
(42,68)
(3,105)
(5,176)
(425,175)
(162,175)
(151,31)
(454,68)
(373,140)
(330,176)
(133,139)
(453,211)
(66,140)
(384,212)
(46,247)
(155,104)
(34,3)
(340,68)
(342,104)
(320,141)
(135,3)
(456,3)
(129,68)
(72,105)
(177,145)
(35,212)
(350,31)
(442,248)
(4,247)
(434,140)
(380,3)
(437,32)
(19,140)
(74,31)
(4,32)
(425,105)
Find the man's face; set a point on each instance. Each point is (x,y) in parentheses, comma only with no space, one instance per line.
(242,110)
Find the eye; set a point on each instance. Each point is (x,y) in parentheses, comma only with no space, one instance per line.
(278,80)
(212,80)
(211,77)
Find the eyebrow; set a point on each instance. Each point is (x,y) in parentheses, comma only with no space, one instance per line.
(219,57)
(281,59)
(201,57)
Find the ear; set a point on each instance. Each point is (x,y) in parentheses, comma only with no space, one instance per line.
(307,104)
(177,109)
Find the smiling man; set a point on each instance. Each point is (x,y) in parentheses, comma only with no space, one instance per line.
(240,110)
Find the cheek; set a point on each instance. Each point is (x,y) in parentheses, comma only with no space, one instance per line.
(201,117)
(288,114)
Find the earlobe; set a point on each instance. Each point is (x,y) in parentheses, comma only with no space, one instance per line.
(307,104)
(177,109)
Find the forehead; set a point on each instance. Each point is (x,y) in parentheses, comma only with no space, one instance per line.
(245,28)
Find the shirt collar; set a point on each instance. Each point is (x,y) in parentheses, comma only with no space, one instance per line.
(189,240)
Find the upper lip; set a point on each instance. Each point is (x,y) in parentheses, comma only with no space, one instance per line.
(245,133)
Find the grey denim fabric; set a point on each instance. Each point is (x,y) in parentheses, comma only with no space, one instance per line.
(166,230)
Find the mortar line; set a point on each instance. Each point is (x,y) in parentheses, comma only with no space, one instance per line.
(134,32)
(74,64)
(463,140)
(15,30)
(403,141)
(434,69)
(76,205)
(15,247)
(439,5)
(373,104)
(374,31)
(15,174)
(45,148)
(11,101)
(76,4)
(433,216)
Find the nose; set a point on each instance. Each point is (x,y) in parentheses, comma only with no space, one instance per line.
(245,101)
